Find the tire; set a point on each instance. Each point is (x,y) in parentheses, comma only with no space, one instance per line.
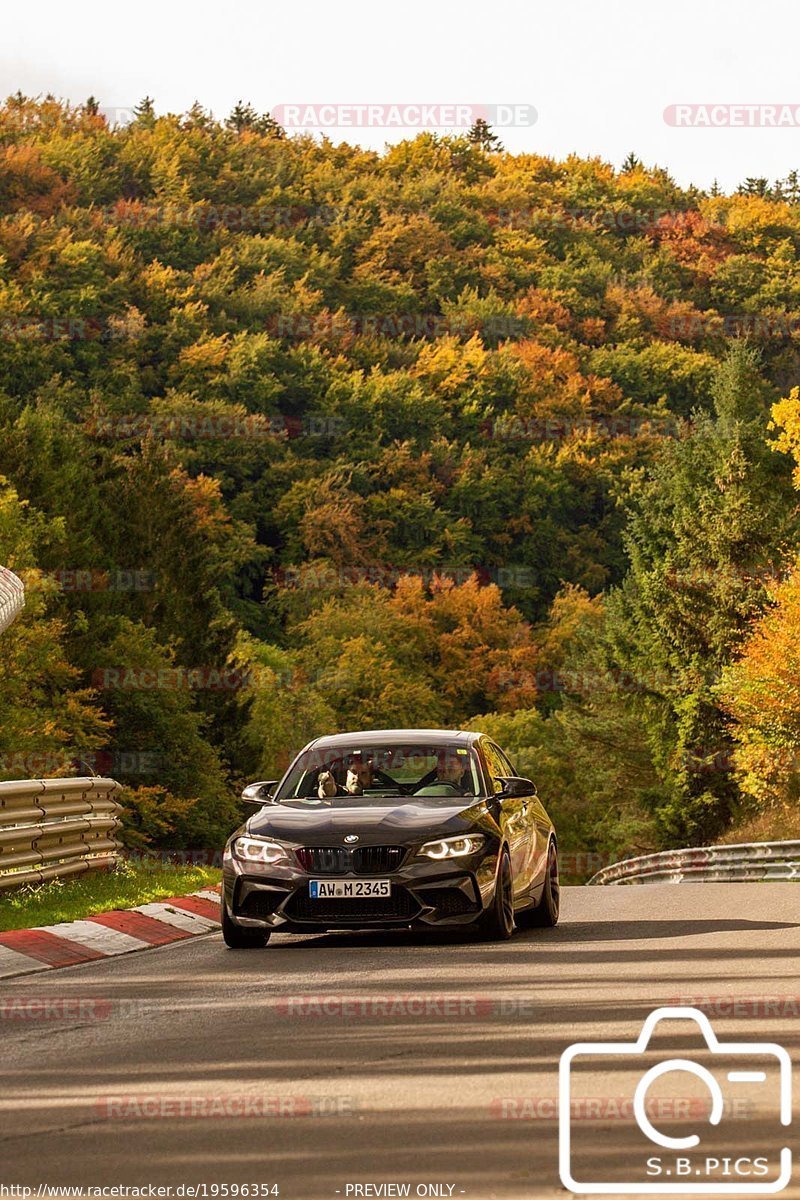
(545,915)
(497,923)
(237,938)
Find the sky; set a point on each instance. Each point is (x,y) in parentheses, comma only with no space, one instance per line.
(599,75)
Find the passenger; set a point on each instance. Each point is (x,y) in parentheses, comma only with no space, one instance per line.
(360,776)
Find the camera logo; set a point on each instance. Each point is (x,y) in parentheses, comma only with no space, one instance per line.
(668,1156)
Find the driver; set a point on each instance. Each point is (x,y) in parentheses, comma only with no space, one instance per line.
(448,779)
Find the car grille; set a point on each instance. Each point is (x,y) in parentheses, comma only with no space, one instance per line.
(400,906)
(324,860)
(335,860)
(371,860)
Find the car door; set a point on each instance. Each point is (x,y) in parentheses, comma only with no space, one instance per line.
(513,819)
(530,850)
(538,824)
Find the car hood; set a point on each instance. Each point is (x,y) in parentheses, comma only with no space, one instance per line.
(377,822)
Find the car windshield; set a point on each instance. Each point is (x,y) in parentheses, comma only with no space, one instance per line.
(398,769)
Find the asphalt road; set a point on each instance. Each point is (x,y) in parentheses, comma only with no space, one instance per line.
(430,1062)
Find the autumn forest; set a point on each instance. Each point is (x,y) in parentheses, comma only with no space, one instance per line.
(297,437)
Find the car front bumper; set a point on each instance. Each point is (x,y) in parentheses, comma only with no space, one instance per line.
(424,893)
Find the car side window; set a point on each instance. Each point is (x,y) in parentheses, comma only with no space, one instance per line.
(510,770)
(496,765)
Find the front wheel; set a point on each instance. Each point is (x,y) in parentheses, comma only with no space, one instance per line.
(238,938)
(545,915)
(497,923)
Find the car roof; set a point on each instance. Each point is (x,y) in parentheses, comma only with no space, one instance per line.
(378,737)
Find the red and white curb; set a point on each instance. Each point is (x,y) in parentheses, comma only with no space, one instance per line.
(23,951)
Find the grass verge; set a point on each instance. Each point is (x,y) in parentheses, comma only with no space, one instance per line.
(776,825)
(100,891)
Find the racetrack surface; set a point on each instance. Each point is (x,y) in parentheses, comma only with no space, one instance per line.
(394,1085)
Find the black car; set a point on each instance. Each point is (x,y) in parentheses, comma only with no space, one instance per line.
(392,829)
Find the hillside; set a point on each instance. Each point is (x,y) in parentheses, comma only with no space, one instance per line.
(297,437)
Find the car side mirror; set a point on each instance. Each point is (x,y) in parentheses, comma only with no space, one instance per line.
(514,786)
(259,793)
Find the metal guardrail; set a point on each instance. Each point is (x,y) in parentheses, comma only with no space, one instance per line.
(12,597)
(52,828)
(746,862)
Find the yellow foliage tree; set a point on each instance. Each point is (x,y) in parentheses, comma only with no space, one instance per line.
(761,690)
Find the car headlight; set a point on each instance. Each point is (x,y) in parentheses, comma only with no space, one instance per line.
(453,847)
(261,851)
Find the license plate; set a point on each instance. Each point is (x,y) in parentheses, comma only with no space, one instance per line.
(348,889)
